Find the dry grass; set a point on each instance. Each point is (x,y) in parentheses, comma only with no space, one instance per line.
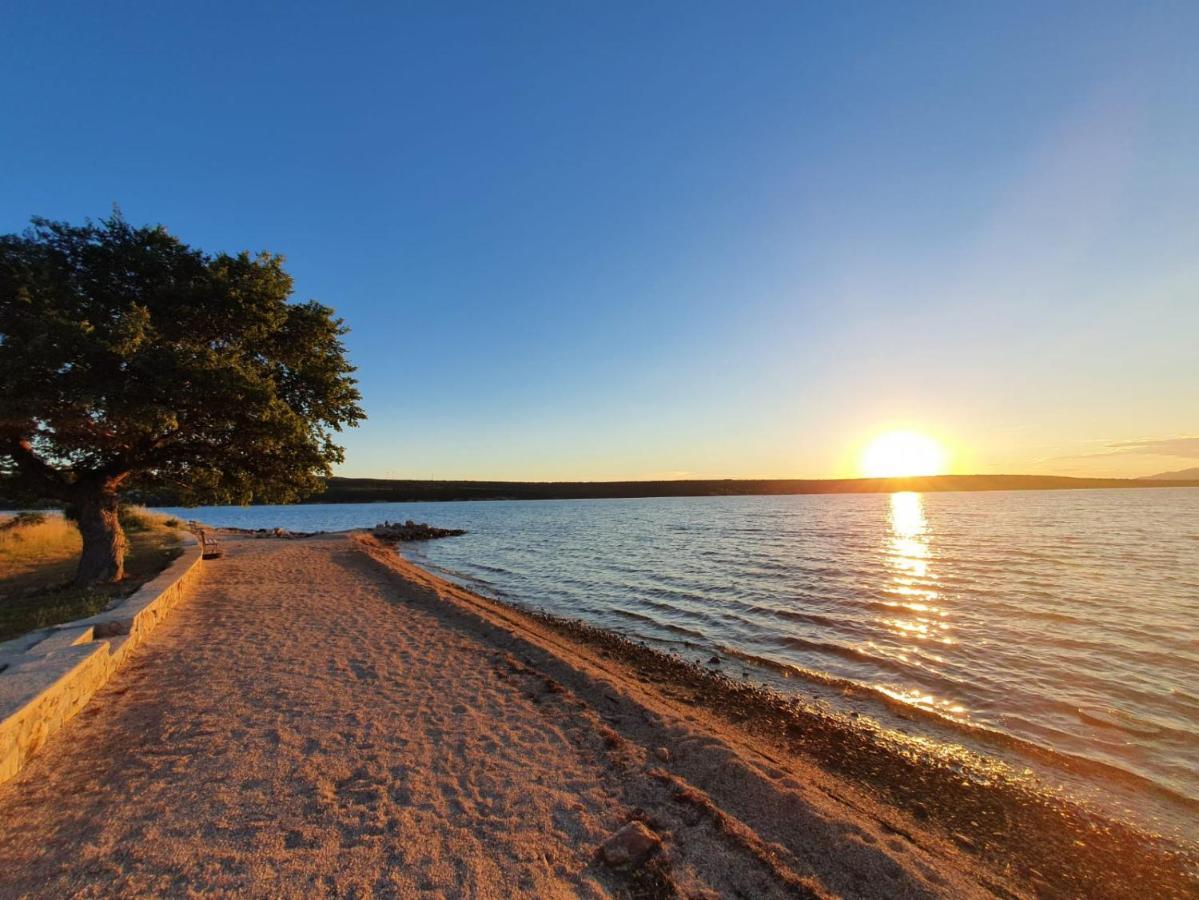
(37,546)
(38,560)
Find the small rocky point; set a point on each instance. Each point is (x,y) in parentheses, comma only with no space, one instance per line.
(412,531)
(631,846)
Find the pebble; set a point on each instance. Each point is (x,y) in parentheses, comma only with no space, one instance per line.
(630,846)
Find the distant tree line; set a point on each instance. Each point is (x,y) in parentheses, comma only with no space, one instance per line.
(374,490)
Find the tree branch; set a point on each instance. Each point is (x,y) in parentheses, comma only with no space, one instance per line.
(35,473)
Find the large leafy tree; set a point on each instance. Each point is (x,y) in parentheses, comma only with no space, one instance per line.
(129,360)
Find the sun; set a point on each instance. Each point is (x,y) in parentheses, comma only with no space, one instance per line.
(897,454)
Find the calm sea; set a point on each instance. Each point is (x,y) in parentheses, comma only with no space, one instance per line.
(1059,627)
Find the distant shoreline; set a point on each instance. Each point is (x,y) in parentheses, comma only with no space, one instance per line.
(398,490)
(384,490)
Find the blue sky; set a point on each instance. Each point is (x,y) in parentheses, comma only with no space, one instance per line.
(643,240)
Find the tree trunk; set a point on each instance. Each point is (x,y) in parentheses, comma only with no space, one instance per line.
(103,558)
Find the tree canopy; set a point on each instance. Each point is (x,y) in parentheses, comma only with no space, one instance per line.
(130,360)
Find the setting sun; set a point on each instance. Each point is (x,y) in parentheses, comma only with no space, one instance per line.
(826,377)
(896,454)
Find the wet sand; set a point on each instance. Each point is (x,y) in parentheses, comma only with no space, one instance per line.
(321,717)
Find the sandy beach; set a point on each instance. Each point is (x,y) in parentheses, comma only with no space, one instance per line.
(322,717)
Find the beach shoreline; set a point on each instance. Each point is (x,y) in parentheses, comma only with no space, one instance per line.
(1107,790)
(325,716)
(1014,625)
(979,805)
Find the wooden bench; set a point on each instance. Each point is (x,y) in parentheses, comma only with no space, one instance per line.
(210,547)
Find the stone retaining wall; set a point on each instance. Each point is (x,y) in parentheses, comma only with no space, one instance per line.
(48,676)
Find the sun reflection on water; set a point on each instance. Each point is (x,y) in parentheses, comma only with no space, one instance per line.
(918,619)
(909,556)
(907,515)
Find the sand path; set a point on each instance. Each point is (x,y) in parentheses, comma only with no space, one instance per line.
(313,722)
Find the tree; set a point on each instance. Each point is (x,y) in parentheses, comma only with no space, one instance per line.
(129,360)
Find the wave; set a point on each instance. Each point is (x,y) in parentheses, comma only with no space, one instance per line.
(698,638)
(1108,717)
(1130,723)
(1054,757)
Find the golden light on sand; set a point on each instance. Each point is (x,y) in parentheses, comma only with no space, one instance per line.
(897,454)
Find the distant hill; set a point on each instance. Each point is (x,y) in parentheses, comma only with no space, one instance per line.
(1191,474)
(368,490)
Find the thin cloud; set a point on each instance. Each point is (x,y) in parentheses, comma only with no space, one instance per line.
(1180,446)
(1184,447)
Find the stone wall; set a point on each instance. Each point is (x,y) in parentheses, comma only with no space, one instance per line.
(48,676)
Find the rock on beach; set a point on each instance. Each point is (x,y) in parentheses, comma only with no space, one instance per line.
(412,531)
(630,846)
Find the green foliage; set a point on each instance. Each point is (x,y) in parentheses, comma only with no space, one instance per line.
(132,361)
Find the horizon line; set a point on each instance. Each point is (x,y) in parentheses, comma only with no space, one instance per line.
(778,478)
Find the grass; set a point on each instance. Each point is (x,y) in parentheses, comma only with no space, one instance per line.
(38,556)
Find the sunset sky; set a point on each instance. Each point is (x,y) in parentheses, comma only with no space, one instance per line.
(668,240)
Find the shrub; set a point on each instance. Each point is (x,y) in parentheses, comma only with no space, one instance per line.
(138,518)
(21,521)
(135,518)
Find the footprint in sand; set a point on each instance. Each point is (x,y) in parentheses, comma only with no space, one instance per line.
(363,671)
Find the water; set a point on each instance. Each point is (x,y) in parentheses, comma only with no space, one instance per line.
(1058,625)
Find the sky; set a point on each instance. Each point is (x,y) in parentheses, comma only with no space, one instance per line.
(652,240)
